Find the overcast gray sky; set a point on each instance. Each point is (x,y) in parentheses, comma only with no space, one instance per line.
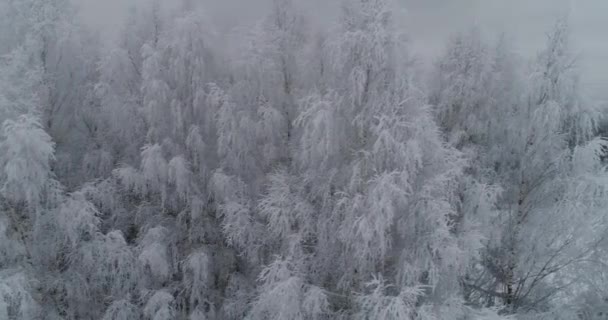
(430,22)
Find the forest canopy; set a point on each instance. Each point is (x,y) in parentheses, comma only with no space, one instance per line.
(284,172)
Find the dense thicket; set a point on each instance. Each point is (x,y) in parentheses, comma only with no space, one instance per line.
(285,172)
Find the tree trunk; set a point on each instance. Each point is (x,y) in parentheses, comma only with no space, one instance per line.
(510,281)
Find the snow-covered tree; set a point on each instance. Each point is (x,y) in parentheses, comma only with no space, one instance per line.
(547,181)
(27,154)
(533,139)
(462,89)
(285,295)
(399,181)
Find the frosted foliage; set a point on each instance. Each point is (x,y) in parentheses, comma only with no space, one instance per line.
(215,99)
(379,304)
(130,178)
(117,90)
(160,306)
(434,203)
(78,219)
(270,132)
(395,146)
(587,158)
(154,168)
(323,137)
(11,250)
(197,315)
(555,82)
(179,176)
(156,94)
(463,84)
(19,82)
(110,264)
(117,75)
(238,224)
(199,230)
(27,151)
(454,308)
(97,163)
(364,54)
(236,139)
(197,147)
(284,295)
(540,156)
(290,168)
(154,256)
(103,194)
(187,47)
(451,308)
(114,89)
(121,310)
(16,300)
(402,179)
(197,273)
(119,265)
(374,213)
(238,291)
(283,208)
(236,215)
(492,314)
(271,55)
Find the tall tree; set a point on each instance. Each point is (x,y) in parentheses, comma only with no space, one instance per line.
(534,157)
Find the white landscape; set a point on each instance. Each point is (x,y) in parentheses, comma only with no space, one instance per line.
(292,167)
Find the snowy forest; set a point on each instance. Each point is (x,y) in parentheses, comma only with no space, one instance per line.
(286,171)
